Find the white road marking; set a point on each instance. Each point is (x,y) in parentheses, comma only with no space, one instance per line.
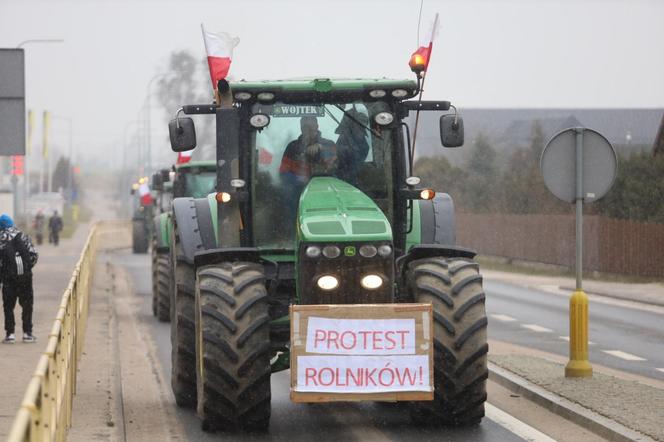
(514,425)
(503,318)
(660,369)
(566,338)
(536,328)
(623,355)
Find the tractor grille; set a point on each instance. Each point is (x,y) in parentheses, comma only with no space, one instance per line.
(349,270)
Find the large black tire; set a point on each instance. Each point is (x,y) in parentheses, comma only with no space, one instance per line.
(454,288)
(139,237)
(232,347)
(163,276)
(182,283)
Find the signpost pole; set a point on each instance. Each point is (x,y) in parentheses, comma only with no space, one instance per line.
(578,365)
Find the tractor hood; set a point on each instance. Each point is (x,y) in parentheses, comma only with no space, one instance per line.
(333,210)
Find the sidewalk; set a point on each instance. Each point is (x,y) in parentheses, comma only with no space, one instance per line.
(650,293)
(18,362)
(607,404)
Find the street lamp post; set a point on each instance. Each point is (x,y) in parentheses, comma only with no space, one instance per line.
(148,121)
(70,154)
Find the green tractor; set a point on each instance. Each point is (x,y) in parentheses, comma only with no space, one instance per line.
(315,203)
(194,179)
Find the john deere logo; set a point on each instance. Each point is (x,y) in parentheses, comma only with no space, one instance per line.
(349,251)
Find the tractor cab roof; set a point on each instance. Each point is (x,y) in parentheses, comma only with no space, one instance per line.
(323,89)
(200,164)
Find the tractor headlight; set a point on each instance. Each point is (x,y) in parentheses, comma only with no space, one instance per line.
(331,252)
(368,251)
(242,96)
(259,120)
(383,118)
(328,282)
(377,93)
(384,250)
(399,93)
(371,282)
(265,96)
(312,252)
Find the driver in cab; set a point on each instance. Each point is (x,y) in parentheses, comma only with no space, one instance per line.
(308,155)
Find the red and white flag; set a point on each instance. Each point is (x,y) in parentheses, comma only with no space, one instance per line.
(184,157)
(219,49)
(144,193)
(426,43)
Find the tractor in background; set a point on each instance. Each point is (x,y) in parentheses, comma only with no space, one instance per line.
(194,179)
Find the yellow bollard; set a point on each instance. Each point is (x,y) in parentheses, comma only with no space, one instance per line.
(578,365)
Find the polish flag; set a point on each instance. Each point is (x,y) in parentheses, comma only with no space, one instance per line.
(426,44)
(219,49)
(144,193)
(184,157)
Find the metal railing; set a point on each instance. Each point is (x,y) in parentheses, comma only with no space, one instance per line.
(45,413)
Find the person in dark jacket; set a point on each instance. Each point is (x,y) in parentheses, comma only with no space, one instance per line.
(17,258)
(54,228)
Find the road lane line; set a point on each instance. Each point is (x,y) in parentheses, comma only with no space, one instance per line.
(566,338)
(514,425)
(660,369)
(536,328)
(623,355)
(503,318)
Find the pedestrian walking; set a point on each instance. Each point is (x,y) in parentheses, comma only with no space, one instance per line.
(38,225)
(17,258)
(54,228)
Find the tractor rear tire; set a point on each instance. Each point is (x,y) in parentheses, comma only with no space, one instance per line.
(182,282)
(454,288)
(139,237)
(233,347)
(163,287)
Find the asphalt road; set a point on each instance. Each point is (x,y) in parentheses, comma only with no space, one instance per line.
(624,335)
(292,422)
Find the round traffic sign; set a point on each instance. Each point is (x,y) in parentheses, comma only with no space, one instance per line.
(558,165)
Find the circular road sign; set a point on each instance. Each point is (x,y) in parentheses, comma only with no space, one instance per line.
(558,165)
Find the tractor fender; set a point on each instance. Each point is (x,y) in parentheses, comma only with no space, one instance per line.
(162,225)
(437,220)
(194,226)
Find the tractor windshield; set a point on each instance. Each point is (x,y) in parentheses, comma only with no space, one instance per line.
(306,140)
(200,185)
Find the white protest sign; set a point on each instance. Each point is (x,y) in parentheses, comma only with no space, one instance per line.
(355,352)
(361,336)
(362,374)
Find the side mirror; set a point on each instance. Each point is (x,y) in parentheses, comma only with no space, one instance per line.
(165,175)
(157,182)
(182,133)
(451,130)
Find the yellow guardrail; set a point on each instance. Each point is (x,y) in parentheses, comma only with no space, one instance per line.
(45,413)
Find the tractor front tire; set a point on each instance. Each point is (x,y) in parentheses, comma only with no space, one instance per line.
(163,299)
(232,347)
(454,288)
(182,282)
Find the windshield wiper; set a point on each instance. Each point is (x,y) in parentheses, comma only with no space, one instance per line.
(356,121)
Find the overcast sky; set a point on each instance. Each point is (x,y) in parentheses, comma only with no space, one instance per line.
(529,53)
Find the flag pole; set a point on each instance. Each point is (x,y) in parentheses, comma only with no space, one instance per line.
(423,78)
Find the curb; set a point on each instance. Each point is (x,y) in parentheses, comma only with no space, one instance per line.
(612,296)
(584,417)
